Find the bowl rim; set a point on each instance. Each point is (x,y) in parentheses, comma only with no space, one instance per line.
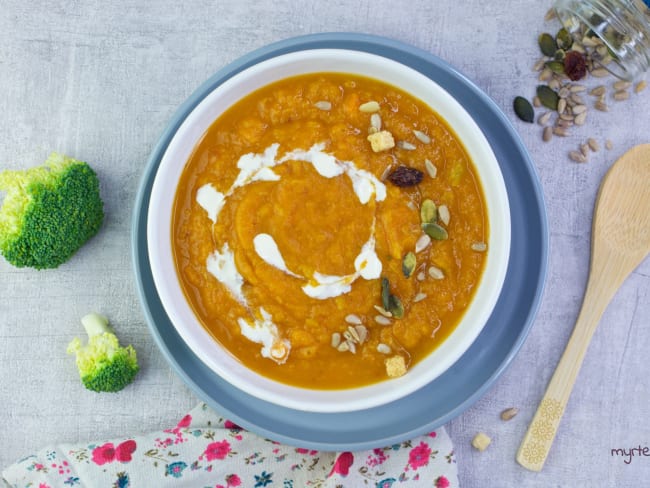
(376,394)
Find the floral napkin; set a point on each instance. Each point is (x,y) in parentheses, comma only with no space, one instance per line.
(205,450)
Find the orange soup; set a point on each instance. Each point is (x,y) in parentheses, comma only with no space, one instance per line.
(329,231)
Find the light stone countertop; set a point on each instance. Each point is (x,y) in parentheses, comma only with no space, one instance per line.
(100,80)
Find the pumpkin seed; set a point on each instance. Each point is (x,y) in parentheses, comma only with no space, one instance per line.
(548,97)
(408,264)
(559,56)
(428,211)
(524,109)
(435,231)
(547,44)
(390,302)
(556,66)
(563,39)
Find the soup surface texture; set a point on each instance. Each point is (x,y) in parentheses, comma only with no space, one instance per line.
(329,231)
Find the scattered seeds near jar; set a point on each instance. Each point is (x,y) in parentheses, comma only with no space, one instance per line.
(574,60)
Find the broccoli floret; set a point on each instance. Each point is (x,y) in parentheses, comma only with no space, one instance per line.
(48,212)
(103,364)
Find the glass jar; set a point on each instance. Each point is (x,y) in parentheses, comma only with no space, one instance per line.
(617,31)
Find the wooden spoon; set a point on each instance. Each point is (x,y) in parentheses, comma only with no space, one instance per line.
(620,241)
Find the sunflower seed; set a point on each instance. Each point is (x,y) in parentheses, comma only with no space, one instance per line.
(577,99)
(479,247)
(436,273)
(561,106)
(537,102)
(544,118)
(431,168)
(354,334)
(369,107)
(422,243)
(550,14)
(567,117)
(419,297)
(323,105)
(383,311)
(598,91)
(362,332)
(422,137)
(352,347)
(593,144)
(621,95)
(421,276)
(375,121)
(407,146)
(622,85)
(599,72)
(563,92)
(547,134)
(584,149)
(577,156)
(336,340)
(353,319)
(509,413)
(546,74)
(560,131)
(347,336)
(602,106)
(640,86)
(554,84)
(578,109)
(381,320)
(580,118)
(539,65)
(383,348)
(608,144)
(343,347)
(443,214)
(577,88)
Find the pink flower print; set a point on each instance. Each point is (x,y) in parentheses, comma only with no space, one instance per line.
(419,456)
(104,454)
(185,422)
(433,434)
(108,453)
(302,450)
(231,425)
(124,450)
(232,480)
(44,485)
(342,464)
(442,482)
(217,450)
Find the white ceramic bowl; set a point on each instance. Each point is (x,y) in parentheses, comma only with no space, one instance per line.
(178,152)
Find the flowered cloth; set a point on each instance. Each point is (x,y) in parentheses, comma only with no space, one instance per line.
(206,450)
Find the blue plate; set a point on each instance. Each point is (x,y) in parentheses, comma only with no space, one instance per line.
(468,379)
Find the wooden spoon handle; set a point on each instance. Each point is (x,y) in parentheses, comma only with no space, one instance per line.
(538,439)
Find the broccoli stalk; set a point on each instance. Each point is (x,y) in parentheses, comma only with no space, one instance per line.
(48,212)
(103,364)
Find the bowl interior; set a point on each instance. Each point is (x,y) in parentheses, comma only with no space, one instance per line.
(191,131)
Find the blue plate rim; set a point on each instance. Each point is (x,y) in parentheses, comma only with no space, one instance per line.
(295,433)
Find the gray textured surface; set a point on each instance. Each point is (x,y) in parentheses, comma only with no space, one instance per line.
(99,81)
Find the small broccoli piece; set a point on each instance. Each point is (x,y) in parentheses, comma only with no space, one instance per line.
(103,364)
(48,212)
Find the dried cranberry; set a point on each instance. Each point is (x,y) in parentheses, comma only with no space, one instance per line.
(575,65)
(405,176)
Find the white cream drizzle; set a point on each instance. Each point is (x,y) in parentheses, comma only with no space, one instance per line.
(265,332)
(221,264)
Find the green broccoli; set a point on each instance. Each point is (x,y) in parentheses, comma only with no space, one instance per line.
(103,364)
(48,212)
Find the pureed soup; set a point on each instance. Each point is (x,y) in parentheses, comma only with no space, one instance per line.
(329,230)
